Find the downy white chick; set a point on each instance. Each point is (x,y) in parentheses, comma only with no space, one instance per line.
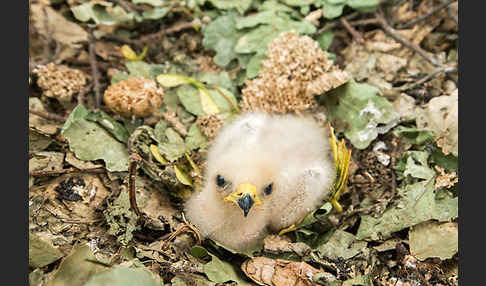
(264,173)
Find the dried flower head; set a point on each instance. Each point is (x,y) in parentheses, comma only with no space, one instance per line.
(295,70)
(444,179)
(210,124)
(134,97)
(60,81)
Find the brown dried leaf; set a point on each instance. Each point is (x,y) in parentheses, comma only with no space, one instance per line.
(39,124)
(58,28)
(277,244)
(267,271)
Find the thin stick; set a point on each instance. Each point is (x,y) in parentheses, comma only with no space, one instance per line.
(134,159)
(420,19)
(334,23)
(392,33)
(48,173)
(428,77)
(94,70)
(356,35)
(48,116)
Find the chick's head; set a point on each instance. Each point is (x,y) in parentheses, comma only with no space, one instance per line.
(263,173)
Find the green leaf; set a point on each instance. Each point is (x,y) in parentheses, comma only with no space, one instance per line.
(264,17)
(434,239)
(182,176)
(195,139)
(221,35)
(363,5)
(124,276)
(139,69)
(174,147)
(207,102)
(109,124)
(256,41)
(331,11)
(418,204)
(156,13)
(359,112)
(414,163)
(240,5)
(325,39)
(42,252)
(253,67)
(75,269)
(89,141)
(220,271)
(189,97)
(220,79)
(298,2)
(199,251)
(413,135)
(99,13)
(341,244)
(360,280)
(448,162)
(150,2)
(173,80)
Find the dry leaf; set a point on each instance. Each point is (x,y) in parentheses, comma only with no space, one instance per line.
(279,244)
(58,28)
(267,271)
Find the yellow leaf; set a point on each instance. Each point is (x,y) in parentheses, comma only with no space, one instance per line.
(130,55)
(342,156)
(193,165)
(207,102)
(172,80)
(155,152)
(184,178)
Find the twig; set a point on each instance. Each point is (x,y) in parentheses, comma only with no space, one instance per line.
(48,116)
(187,227)
(176,28)
(365,22)
(356,35)
(428,77)
(49,33)
(94,70)
(334,23)
(82,95)
(134,160)
(392,33)
(420,19)
(48,173)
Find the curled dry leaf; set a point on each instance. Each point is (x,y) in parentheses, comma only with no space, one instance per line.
(441,116)
(58,28)
(267,271)
(279,244)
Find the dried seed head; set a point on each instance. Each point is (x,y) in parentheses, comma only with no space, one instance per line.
(134,97)
(294,71)
(60,81)
(210,124)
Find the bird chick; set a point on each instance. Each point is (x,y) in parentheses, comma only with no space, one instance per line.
(264,173)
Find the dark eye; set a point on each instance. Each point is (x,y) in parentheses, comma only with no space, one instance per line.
(220,181)
(268,189)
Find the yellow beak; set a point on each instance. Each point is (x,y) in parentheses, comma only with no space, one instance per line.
(245,197)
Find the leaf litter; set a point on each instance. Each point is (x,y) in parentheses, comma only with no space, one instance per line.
(396,109)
